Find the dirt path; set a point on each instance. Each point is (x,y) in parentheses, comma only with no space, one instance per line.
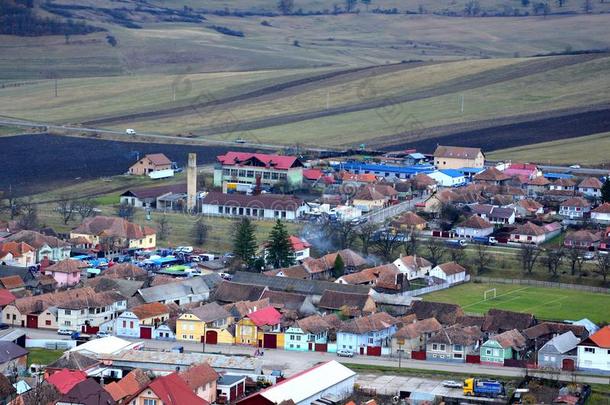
(468,82)
(266,93)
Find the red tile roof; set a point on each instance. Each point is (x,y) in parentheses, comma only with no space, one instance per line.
(158,159)
(67,266)
(298,243)
(451,268)
(576,202)
(265,316)
(129,385)
(491,174)
(64,380)
(199,375)
(476,222)
(17,249)
(12,282)
(457,152)
(602,337)
(150,310)
(312,174)
(113,226)
(172,389)
(275,161)
(6,297)
(603,209)
(591,182)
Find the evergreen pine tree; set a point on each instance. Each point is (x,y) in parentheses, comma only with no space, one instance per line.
(338,267)
(606,191)
(279,251)
(244,242)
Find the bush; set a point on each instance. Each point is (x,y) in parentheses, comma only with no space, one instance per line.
(227,31)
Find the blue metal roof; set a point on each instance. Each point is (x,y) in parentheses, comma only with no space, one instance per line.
(452,173)
(558,175)
(470,170)
(385,168)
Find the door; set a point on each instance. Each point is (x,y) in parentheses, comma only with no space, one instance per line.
(373,350)
(567,364)
(211,337)
(32,321)
(145,332)
(270,341)
(321,347)
(362,350)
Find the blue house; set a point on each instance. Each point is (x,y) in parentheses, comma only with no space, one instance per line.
(368,334)
(449,177)
(310,334)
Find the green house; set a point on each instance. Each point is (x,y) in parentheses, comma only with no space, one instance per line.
(508,345)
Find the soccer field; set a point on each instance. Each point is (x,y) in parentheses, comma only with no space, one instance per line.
(544,303)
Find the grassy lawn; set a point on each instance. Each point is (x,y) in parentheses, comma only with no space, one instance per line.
(592,150)
(375,369)
(545,303)
(9,130)
(43,356)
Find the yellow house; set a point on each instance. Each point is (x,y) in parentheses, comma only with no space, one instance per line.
(115,234)
(209,323)
(260,328)
(457,157)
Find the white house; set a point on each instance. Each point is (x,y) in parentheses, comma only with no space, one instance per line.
(601,214)
(495,215)
(474,227)
(574,208)
(367,334)
(451,272)
(140,321)
(448,177)
(413,266)
(86,312)
(48,247)
(262,206)
(594,352)
(591,187)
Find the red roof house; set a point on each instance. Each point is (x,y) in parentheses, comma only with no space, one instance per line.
(265,317)
(169,389)
(64,380)
(6,297)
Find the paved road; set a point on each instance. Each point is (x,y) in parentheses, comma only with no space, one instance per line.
(293,362)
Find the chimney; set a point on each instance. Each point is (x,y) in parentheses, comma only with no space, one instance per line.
(191,182)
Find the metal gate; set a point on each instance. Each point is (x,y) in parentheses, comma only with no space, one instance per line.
(32,321)
(145,332)
(211,337)
(270,341)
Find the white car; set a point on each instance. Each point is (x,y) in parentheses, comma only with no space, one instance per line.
(130,131)
(66,332)
(344,353)
(452,384)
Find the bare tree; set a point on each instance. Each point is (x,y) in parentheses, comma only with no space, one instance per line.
(411,242)
(603,265)
(457,254)
(126,211)
(576,260)
(365,233)
(29,216)
(341,233)
(386,243)
(483,259)
(285,6)
(85,208)
(436,250)
(66,207)
(11,203)
(552,259)
(528,254)
(200,231)
(164,228)
(587,6)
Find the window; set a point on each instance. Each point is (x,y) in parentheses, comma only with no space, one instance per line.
(150,402)
(457,355)
(457,348)
(434,346)
(47,322)
(124,324)
(291,337)
(67,312)
(8,316)
(442,348)
(488,352)
(589,350)
(67,323)
(130,324)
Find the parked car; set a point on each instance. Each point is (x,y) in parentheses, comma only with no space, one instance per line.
(102,334)
(456,242)
(4,326)
(359,220)
(79,336)
(66,332)
(130,131)
(344,353)
(588,255)
(452,384)
(184,249)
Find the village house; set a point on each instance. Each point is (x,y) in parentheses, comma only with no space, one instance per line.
(594,352)
(262,206)
(13,284)
(311,333)
(17,254)
(235,168)
(528,208)
(575,208)
(367,334)
(498,321)
(13,359)
(456,157)
(410,221)
(534,234)
(209,323)
(537,186)
(605,242)
(191,290)
(150,163)
(228,291)
(493,176)
(590,187)
(47,247)
(114,234)
(422,185)
(498,348)
(350,303)
(474,227)
(66,272)
(202,378)
(141,320)
(368,198)
(128,386)
(166,390)
(446,314)
(560,352)
(300,248)
(601,214)
(563,184)
(493,214)
(526,170)
(448,177)
(290,303)
(230,388)
(582,239)
(88,310)
(449,272)
(357,180)
(384,278)
(260,328)
(322,267)
(413,266)
(454,344)
(413,337)
(153,197)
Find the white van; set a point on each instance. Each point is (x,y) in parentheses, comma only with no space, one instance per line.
(130,131)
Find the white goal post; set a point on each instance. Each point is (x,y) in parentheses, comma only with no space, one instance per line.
(491,292)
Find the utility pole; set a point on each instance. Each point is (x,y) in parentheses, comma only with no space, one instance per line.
(327,99)
(462,104)
(55,87)
(203,338)
(400,351)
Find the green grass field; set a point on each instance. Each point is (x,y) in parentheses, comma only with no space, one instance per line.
(591,150)
(43,356)
(544,303)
